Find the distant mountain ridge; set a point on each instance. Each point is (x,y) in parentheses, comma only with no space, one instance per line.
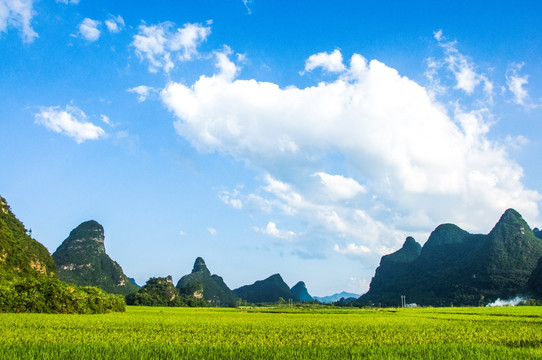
(269,290)
(459,268)
(336,297)
(81,260)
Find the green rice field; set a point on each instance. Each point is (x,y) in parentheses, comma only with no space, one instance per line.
(277,333)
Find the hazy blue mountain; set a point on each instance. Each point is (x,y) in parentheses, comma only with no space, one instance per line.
(300,290)
(269,290)
(81,259)
(212,287)
(335,297)
(456,267)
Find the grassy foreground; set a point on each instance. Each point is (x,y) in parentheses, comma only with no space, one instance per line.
(210,333)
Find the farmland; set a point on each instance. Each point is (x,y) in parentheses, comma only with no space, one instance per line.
(196,333)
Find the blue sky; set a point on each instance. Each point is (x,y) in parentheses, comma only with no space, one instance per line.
(304,138)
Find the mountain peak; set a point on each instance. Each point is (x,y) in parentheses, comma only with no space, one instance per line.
(275,277)
(511,216)
(199,266)
(511,223)
(300,290)
(81,259)
(89,230)
(412,245)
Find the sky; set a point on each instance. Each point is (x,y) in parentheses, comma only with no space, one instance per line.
(306,138)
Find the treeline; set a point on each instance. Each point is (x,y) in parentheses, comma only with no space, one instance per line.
(50,295)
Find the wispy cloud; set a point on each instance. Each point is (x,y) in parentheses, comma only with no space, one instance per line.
(247,3)
(18,14)
(464,70)
(340,187)
(71,121)
(115,24)
(516,82)
(352,249)
(272,230)
(161,45)
(142,91)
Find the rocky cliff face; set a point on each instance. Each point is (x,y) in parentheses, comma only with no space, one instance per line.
(455,267)
(81,259)
(211,287)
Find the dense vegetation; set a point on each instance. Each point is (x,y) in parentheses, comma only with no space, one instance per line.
(278,333)
(212,287)
(81,259)
(20,255)
(28,281)
(458,268)
(50,295)
(270,290)
(159,291)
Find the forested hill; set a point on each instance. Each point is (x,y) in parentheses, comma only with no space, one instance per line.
(28,281)
(269,290)
(212,287)
(19,253)
(81,259)
(455,267)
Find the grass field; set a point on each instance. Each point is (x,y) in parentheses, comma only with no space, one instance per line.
(276,333)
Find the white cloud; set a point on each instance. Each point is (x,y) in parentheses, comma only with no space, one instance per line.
(89,29)
(246,3)
(68,1)
(115,24)
(332,63)
(352,249)
(71,122)
(272,230)
(467,79)
(142,91)
(106,119)
(340,187)
(231,198)
(161,44)
(419,164)
(515,83)
(212,231)
(18,14)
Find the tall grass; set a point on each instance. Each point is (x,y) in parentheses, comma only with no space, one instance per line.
(187,333)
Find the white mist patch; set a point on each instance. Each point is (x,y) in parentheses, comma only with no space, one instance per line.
(510,302)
